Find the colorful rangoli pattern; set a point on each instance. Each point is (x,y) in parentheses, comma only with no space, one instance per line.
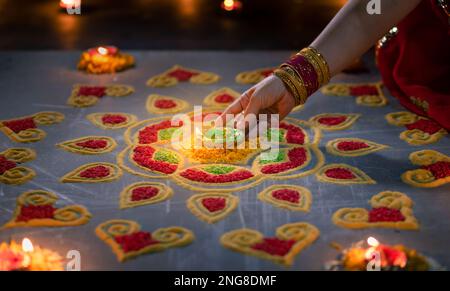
(10,170)
(93,173)
(221,98)
(434,169)
(128,241)
(112,120)
(89,145)
(89,95)
(159,104)
(178,74)
(334,121)
(290,239)
(253,77)
(369,94)
(212,207)
(419,130)
(25,129)
(290,197)
(389,210)
(37,208)
(144,193)
(343,174)
(353,147)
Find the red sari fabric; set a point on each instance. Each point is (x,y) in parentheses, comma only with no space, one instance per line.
(415,64)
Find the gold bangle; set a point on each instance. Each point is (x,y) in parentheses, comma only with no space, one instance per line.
(321,60)
(298,82)
(286,78)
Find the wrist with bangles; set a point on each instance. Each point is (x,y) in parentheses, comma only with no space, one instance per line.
(304,73)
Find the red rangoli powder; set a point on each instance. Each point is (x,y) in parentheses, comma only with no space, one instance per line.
(144,193)
(224,98)
(439,170)
(201,176)
(351,145)
(20,124)
(95,172)
(143,155)
(6,165)
(274,246)
(424,125)
(165,103)
(294,134)
(287,195)
(332,120)
(364,90)
(113,119)
(182,75)
(29,212)
(339,173)
(150,133)
(214,204)
(297,157)
(135,241)
(93,144)
(97,91)
(384,214)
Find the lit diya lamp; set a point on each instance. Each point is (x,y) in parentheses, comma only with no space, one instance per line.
(231,5)
(71,4)
(26,257)
(105,60)
(371,255)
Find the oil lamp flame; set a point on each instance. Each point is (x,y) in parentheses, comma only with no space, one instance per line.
(27,245)
(103,51)
(373,242)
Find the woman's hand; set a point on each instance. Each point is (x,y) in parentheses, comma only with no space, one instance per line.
(269,96)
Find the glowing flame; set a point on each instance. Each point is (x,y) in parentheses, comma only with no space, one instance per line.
(373,242)
(230,5)
(27,245)
(103,51)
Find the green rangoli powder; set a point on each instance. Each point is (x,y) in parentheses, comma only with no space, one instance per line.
(273,158)
(166,156)
(218,170)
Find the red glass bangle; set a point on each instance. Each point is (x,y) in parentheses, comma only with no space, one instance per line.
(306,72)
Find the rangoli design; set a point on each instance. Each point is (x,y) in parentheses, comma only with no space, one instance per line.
(221,98)
(290,197)
(419,130)
(127,240)
(89,145)
(93,173)
(353,147)
(144,193)
(368,94)
(112,120)
(10,171)
(389,210)
(37,208)
(88,95)
(212,207)
(178,73)
(334,121)
(434,169)
(290,239)
(159,104)
(253,77)
(25,129)
(343,174)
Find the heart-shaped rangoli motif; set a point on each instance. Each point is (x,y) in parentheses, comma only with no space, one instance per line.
(221,98)
(37,208)
(111,120)
(93,173)
(25,129)
(389,210)
(178,73)
(353,147)
(253,77)
(159,104)
(290,240)
(368,94)
(343,174)
(212,207)
(289,197)
(89,145)
(88,95)
(10,172)
(127,240)
(419,130)
(434,169)
(334,121)
(144,193)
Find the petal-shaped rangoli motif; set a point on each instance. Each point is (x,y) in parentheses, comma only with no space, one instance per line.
(389,210)
(368,94)
(127,240)
(89,145)
(112,120)
(434,169)
(289,197)
(155,160)
(282,162)
(178,73)
(88,95)
(352,147)
(221,97)
(253,77)
(290,240)
(93,173)
(159,104)
(144,193)
(10,171)
(37,208)
(343,174)
(334,121)
(212,207)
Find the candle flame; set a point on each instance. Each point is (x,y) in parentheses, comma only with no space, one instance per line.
(373,242)
(27,245)
(228,5)
(103,51)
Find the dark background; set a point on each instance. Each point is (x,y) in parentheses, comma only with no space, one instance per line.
(164,24)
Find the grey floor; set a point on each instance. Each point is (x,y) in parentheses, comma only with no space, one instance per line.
(42,81)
